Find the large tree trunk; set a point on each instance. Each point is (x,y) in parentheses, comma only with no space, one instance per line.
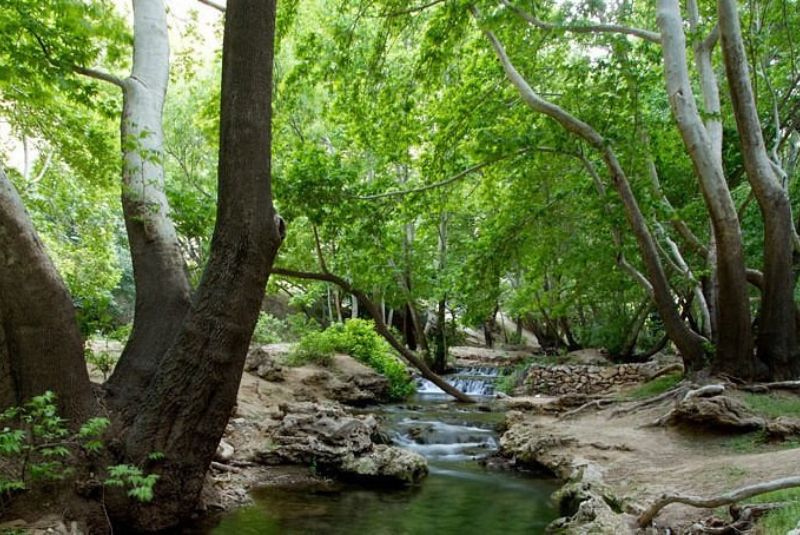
(40,343)
(777,335)
(191,396)
(162,285)
(734,338)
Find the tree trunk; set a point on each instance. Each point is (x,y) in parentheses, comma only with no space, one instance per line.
(440,337)
(40,342)
(191,396)
(777,336)
(162,286)
(734,338)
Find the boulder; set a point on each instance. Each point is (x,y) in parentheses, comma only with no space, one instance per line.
(386,464)
(338,443)
(318,433)
(261,362)
(224,452)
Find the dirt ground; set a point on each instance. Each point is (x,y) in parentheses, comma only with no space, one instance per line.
(638,462)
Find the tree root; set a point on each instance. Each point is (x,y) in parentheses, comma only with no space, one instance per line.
(728,498)
(673,393)
(767,387)
(596,403)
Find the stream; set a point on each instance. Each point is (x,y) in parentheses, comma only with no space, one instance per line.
(459,496)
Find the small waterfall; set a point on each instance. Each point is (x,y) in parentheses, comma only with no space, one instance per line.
(441,441)
(473,381)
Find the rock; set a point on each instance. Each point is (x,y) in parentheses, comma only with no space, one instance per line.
(262,363)
(224,452)
(338,443)
(387,464)
(359,389)
(318,433)
(720,412)
(51,525)
(783,428)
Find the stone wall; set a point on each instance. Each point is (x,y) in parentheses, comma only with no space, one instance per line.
(577,379)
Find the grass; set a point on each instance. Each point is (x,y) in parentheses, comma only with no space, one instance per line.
(780,521)
(773,405)
(657,386)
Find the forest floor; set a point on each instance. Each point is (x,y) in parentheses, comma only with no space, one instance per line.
(635,462)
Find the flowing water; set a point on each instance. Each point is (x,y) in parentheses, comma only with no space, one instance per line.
(458,497)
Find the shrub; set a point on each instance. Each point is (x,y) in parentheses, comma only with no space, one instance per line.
(268,329)
(358,339)
(36,445)
(313,348)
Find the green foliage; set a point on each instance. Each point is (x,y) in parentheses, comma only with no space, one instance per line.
(140,486)
(314,348)
(36,445)
(512,378)
(102,361)
(782,520)
(655,387)
(269,329)
(358,338)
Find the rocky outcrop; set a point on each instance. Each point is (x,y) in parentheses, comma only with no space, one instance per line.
(387,464)
(326,436)
(579,379)
(262,361)
(715,413)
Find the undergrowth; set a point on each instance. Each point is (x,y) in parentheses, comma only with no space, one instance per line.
(781,520)
(358,339)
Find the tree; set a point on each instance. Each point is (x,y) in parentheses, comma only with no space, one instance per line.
(186,405)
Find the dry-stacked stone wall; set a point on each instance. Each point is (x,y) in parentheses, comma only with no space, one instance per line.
(572,379)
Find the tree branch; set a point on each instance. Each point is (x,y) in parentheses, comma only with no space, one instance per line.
(99,75)
(410,10)
(456,177)
(646,518)
(589,27)
(211,3)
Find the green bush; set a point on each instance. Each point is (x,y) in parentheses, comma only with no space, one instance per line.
(358,339)
(269,329)
(313,348)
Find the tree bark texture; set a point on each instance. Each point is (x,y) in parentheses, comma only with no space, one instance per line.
(777,335)
(40,343)
(187,406)
(162,285)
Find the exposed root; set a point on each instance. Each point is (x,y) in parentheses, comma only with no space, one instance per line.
(673,393)
(596,403)
(767,387)
(737,495)
(665,370)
